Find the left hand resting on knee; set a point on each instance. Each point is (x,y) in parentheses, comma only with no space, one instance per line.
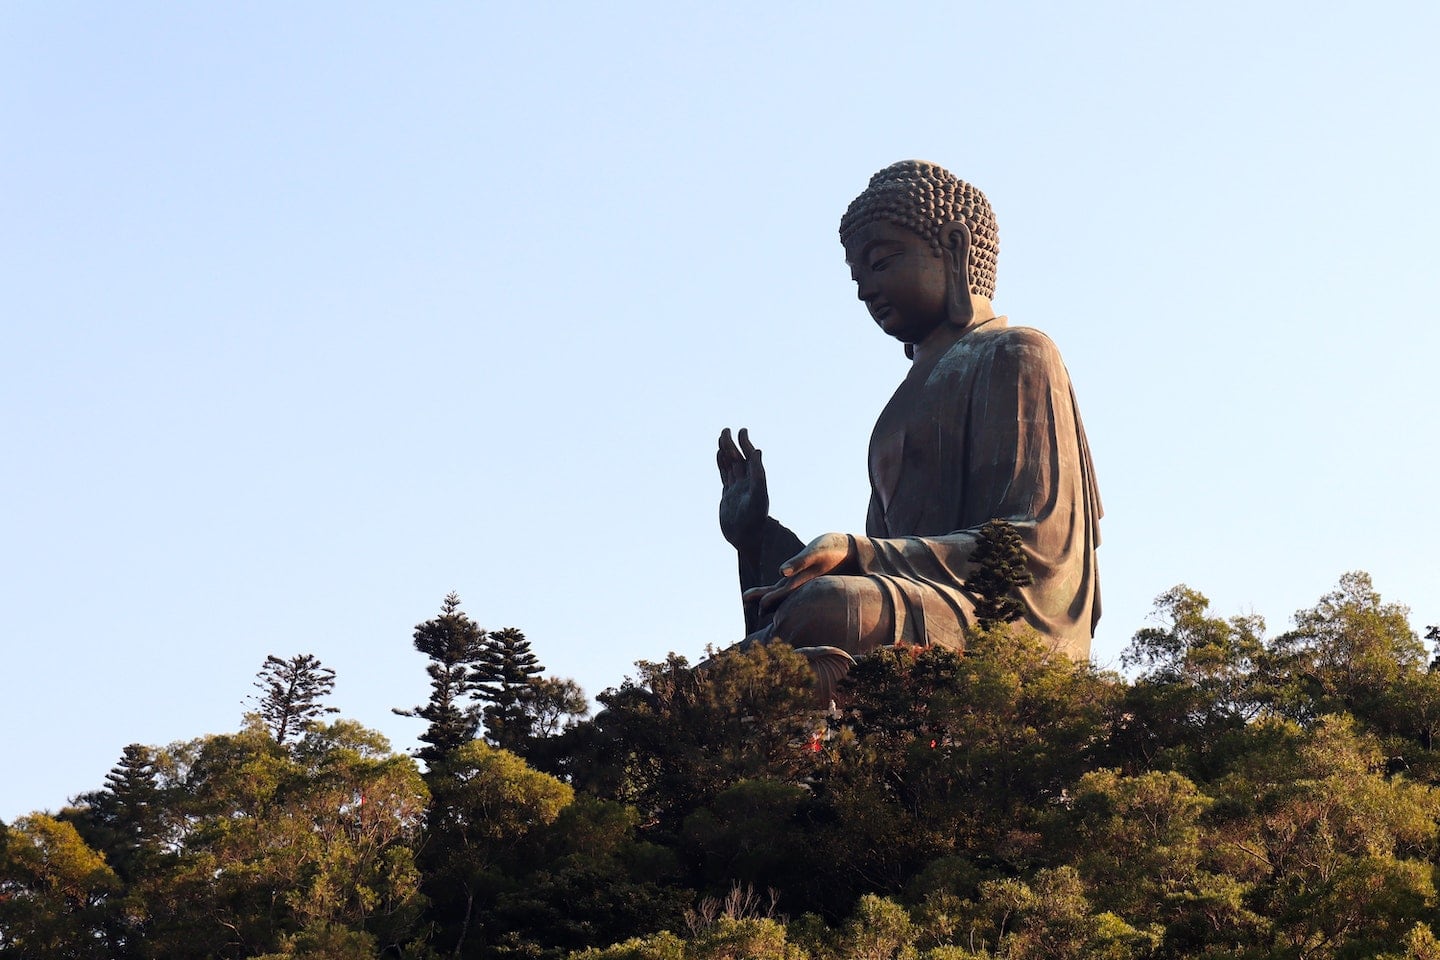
(827,553)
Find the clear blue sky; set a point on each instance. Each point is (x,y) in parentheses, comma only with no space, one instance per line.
(314,313)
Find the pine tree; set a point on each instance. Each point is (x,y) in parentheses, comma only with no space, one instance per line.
(292,692)
(454,644)
(135,785)
(502,679)
(125,820)
(1002,571)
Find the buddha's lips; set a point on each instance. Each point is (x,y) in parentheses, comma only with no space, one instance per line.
(879,311)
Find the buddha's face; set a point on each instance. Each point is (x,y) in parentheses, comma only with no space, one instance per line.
(902,282)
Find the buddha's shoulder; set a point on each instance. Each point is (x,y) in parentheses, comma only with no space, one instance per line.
(1005,340)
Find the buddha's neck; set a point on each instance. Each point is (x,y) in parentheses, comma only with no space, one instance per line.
(943,337)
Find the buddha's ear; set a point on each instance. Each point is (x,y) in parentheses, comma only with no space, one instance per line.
(955,248)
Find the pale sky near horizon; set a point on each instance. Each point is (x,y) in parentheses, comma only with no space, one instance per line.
(311,314)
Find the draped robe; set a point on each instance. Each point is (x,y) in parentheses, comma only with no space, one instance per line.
(989,429)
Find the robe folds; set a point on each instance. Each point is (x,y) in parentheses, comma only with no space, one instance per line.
(987,430)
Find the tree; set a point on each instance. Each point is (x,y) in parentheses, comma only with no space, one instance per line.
(453,642)
(880,930)
(502,678)
(125,820)
(286,846)
(943,754)
(588,880)
(366,804)
(1198,682)
(1050,918)
(1137,843)
(1001,571)
(1338,856)
(1345,654)
(486,805)
(53,892)
(675,737)
(554,704)
(292,692)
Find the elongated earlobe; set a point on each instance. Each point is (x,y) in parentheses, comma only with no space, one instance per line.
(955,248)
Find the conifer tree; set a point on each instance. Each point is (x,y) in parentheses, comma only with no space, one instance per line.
(125,820)
(292,692)
(135,787)
(1002,571)
(453,642)
(503,678)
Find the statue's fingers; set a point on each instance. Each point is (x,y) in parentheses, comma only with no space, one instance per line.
(752,455)
(773,599)
(780,593)
(801,577)
(796,563)
(727,446)
(746,446)
(767,597)
(729,459)
(730,470)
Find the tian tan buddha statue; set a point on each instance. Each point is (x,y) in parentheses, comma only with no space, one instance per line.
(984,426)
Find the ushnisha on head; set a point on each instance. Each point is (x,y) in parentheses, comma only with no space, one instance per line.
(924,197)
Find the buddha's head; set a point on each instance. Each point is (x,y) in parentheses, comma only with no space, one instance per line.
(928,199)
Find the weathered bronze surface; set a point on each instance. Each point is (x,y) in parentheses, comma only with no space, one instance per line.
(983,426)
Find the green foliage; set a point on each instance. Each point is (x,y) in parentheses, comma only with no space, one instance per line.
(502,677)
(1197,685)
(53,892)
(746,834)
(943,754)
(264,843)
(1344,654)
(554,704)
(743,938)
(661,946)
(1001,569)
(126,820)
(325,941)
(488,809)
(879,929)
(589,879)
(494,677)
(1137,840)
(454,644)
(1242,798)
(490,800)
(674,738)
(1334,851)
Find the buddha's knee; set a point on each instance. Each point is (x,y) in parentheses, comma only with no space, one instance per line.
(818,615)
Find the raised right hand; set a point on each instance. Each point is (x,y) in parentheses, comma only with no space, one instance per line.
(744,497)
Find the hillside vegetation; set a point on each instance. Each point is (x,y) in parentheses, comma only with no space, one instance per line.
(1239,795)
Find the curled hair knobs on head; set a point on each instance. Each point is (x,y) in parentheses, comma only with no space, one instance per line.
(923,197)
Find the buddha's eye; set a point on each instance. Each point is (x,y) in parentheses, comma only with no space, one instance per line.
(883,262)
